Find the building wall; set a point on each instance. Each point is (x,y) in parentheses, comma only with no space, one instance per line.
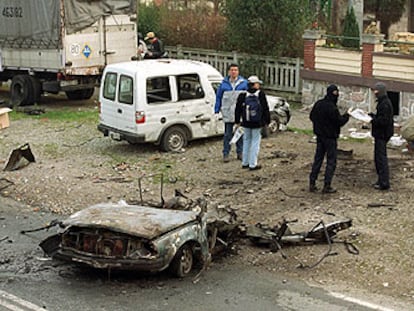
(356,97)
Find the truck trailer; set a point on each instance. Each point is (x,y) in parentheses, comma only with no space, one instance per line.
(62,45)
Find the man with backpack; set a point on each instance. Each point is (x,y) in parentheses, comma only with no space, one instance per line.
(226,98)
(253,111)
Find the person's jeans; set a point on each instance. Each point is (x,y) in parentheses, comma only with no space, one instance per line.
(381,162)
(228,134)
(328,147)
(251,146)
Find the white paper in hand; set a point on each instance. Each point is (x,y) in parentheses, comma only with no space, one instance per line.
(237,134)
(361,115)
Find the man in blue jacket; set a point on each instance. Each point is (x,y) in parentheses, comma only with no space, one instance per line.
(226,98)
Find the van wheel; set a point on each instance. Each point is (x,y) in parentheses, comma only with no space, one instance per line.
(174,139)
(182,263)
(21,90)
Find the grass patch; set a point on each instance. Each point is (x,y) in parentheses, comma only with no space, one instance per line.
(301,131)
(294,105)
(65,115)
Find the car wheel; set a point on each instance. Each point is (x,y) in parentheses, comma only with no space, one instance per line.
(174,139)
(274,126)
(182,264)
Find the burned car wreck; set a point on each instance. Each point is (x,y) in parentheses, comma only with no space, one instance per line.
(135,237)
(175,234)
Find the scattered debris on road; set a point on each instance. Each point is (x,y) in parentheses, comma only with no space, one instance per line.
(19,158)
(280,235)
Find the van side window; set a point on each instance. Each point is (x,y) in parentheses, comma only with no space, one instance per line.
(158,90)
(189,87)
(126,90)
(109,87)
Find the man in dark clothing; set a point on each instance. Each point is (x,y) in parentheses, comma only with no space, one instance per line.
(155,47)
(327,122)
(382,130)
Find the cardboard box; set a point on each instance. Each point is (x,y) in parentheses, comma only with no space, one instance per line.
(4,117)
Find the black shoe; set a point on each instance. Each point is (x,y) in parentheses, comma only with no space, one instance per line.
(379,187)
(328,189)
(257,167)
(313,188)
(240,156)
(245,166)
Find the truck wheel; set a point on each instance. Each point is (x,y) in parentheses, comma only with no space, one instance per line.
(87,93)
(21,90)
(80,94)
(74,95)
(182,264)
(174,139)
(36,88)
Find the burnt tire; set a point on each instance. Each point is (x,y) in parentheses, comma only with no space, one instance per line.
(174,139)
(21,90)
(183,261)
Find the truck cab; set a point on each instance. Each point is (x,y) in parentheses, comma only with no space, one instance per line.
(166,102)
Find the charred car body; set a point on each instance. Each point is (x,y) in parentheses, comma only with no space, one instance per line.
(132,237)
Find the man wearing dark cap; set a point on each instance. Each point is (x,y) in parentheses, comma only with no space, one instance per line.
(382,128)
(327,123)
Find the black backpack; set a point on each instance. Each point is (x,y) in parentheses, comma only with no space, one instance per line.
(252,110)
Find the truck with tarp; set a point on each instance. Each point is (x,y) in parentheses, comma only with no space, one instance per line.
(52,46)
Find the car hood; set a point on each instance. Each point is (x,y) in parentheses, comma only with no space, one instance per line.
(142,221)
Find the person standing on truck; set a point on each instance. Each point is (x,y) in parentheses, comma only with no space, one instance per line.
(253,111)
(226,97)
(155,47)
(327,123)
(382,128)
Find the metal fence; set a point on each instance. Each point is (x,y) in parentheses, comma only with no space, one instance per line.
(278,74)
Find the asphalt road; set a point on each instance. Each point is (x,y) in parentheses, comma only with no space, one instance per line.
(29,281)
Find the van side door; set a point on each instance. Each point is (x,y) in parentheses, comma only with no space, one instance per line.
(197,104)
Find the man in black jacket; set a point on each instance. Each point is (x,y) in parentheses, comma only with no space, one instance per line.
(382,128)
(155,47)
(327,123)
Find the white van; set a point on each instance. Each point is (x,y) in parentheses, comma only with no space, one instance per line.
(167,102)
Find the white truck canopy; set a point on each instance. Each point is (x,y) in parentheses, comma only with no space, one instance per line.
(37,23)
